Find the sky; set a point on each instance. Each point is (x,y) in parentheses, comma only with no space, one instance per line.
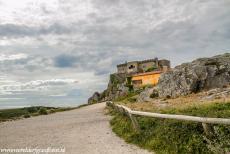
(58,52)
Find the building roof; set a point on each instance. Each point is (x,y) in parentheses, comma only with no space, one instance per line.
(140,62)
(124,64)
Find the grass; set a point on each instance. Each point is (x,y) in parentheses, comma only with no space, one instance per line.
(130,97)
(126,97)
(172,136)
(27,112)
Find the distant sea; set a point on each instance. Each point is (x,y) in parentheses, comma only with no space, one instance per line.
(6,103)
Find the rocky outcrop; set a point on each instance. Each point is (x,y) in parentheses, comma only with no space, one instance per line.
(116,88)
(145,96)
(95,98)
(201,74)
(216,94)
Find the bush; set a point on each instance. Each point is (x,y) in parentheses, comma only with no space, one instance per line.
(154,68)
(32,109)
(43,111)
(26,116)
(132,99)
(52,111)
(154,94)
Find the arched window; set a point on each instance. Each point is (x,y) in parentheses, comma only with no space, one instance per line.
(131,66)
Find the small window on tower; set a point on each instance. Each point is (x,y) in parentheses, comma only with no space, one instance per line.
(131,66)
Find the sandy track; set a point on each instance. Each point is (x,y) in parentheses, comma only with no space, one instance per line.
(81,131)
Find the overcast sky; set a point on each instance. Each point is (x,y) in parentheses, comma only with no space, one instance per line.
(58,52)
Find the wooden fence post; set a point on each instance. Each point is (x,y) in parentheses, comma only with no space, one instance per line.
(207,129)
(134,122)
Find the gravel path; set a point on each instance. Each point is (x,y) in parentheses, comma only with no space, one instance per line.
(81,131)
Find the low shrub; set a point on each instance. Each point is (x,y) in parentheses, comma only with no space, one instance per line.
(26,116)
(52,111)
(32,109)
(154,94)
(43,111)
(132,99)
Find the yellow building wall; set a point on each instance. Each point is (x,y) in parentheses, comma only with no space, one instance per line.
(147,79)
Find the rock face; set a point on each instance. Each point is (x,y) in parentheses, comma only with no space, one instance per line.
(201,74)
(144,96)
(216,93)
(95,98)
(116,88)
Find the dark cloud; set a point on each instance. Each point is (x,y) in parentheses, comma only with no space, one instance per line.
(65,60)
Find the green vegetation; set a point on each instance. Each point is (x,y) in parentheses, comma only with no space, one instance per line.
(114,80)
(130,97)
(215,110)
(165,136)
(13,114)
(26,116)
(154,94)
(153,68)
(43,111)
(129,84)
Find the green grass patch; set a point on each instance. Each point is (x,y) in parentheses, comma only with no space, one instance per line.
(12,113)
(215,110)
(165,136)
(129,98)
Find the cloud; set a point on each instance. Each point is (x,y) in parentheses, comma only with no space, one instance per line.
(52,82)
(64,60)
(16,30)
(84,40)
(36,86)
(4,57)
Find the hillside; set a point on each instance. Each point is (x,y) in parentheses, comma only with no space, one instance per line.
(198,88)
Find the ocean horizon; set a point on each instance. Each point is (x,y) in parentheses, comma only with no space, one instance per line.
(25,102)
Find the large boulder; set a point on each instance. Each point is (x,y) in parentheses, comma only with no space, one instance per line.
(201,74)
(145,96)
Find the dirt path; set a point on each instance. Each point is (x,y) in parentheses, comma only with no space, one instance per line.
(81,131)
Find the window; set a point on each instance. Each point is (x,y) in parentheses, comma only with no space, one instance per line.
(137,81)
(131,66)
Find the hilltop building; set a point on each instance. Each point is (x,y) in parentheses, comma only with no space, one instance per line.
(146,72)
(143,66)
